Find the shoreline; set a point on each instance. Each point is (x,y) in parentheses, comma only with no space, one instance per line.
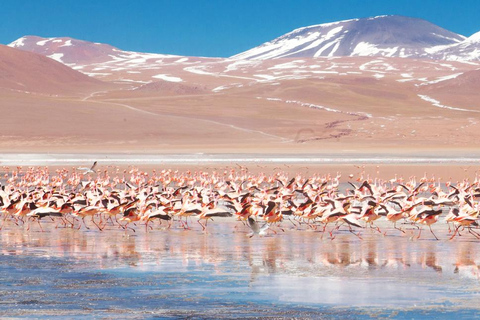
(349,166)
(245,158)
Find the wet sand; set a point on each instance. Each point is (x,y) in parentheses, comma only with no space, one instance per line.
(224,274)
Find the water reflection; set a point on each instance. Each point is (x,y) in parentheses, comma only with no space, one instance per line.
(180,271)
(297,253)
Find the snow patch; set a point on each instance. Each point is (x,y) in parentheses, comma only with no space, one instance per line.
(287,65)
(18,43)
(376,17)
(238,63)
(198,70)
(93,74)
(324,25)
(67,43)
(181,60)
(322,49)
(220,88)
(56,56)
(448,66)
(437,104)
(448,38)
(326,72)
(449,77)
(368,49)
(377,66)
(474,38)
(42,42)
(330,34)
(335,48)
(265,76)
(316,106)
(135,81)
(167,78)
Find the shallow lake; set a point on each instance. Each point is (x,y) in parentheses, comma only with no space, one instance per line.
(224,274)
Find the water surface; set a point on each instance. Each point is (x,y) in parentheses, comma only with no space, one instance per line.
(223,273)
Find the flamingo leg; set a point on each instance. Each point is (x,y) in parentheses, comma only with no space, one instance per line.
(84,223)
(203,225)
(96,224)
(353,232)
(40,225)
(395,227)
(324,229)
(375,227)
(70,222)
(475,234)
(430,227)
(419,233)
(455,232)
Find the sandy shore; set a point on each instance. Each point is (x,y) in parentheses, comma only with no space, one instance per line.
(350,166)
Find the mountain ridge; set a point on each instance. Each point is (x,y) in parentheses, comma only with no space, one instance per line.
(387,36)
(390,36)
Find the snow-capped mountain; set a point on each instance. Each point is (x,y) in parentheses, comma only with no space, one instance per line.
(389,36)
(104,61)
(467,50)
(74,52)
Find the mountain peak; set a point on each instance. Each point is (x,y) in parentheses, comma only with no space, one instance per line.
(387,35)
(474,38)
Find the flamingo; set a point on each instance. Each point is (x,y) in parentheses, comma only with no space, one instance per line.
(88,170)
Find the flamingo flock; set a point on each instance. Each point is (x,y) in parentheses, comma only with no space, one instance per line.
(91,198)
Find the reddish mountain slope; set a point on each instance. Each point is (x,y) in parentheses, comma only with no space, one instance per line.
(31,72)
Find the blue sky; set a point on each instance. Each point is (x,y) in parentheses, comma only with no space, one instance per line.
(213,28)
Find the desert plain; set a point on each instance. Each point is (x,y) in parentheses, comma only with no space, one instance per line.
(338,105)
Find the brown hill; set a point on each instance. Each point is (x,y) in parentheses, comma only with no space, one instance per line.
(31,72)
(460,92)
(162,104)
(68,50)
(466,83)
